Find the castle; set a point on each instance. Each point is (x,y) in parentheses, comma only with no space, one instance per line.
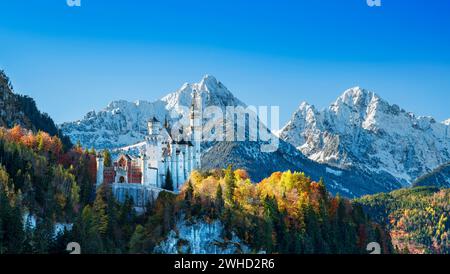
(163,154)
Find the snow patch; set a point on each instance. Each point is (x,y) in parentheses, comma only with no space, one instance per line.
(30,222)
(332,171)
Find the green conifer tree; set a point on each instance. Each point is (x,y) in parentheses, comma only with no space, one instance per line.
(107,158)
(99,211)
(137,240)
(230,185)
(168,184)
(219,199)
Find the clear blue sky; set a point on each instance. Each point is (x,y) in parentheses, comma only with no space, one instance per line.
(72,60)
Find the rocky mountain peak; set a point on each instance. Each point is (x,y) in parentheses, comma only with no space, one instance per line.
(209,83)
(305,112)
(356,98)
(305,106)
(363,131)
(212,92)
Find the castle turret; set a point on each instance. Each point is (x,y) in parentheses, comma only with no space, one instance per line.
(100,169)
(144,162)
(153,126)
(196,128)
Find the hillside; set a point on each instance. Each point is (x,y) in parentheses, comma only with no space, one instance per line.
(16,109)
(417,218)
(284,213)
(439,177)
(41,186)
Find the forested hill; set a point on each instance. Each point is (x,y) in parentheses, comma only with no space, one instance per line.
(284,213)
(417,218)
(40,180)
(21,110)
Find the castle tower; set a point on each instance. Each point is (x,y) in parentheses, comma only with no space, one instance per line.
(153,153)
(196,128)
(144,162)
(166,123)
(175,164)
(153,126)
(190,159)
(100,169)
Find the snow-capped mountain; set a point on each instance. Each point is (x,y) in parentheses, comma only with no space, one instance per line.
(124,123)
(363,132)
(212,91)
(446,122)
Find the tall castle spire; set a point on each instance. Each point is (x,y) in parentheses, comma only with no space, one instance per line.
(196,127)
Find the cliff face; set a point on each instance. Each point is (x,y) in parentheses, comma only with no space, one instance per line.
(199,238)
(10,112)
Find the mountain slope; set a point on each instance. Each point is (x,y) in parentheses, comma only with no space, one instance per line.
(439,177)
(417,218)
(364,132)
(21,110)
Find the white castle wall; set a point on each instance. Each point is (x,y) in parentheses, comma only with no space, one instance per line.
(141,195)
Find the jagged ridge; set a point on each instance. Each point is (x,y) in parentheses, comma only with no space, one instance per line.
(361,130)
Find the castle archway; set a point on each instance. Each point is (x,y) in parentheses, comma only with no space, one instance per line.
(122,179)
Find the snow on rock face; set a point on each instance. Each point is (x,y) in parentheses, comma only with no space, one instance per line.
(121,123)
(30,222)
(124,123)
(213,93)
(199,238)
(332,171)
(362,130)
